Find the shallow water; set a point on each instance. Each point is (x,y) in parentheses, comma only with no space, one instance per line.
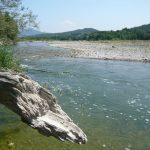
(109,100)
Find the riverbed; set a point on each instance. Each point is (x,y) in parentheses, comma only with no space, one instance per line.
(108,50)
(109,100)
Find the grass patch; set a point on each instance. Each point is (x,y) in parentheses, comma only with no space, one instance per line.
(7,59)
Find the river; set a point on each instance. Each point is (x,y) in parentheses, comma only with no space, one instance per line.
(109,100)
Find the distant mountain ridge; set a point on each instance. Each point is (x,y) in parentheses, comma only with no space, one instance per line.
(145,27)
(33,32)
(135,33)
(81,31)
(29,32)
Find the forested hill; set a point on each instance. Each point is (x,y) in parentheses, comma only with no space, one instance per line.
(143,27)
(136,33)
(64,35)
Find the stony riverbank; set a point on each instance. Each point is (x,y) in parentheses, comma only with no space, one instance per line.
(111,50)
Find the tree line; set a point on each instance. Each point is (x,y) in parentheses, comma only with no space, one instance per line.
(136,33)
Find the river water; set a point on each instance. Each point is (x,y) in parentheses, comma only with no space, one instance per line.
(109,100)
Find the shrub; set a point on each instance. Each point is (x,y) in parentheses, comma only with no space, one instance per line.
(7,59)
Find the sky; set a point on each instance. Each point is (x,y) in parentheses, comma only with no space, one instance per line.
(66,15)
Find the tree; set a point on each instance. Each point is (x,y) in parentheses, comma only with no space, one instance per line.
(8,28)
(13,18)
(23,16)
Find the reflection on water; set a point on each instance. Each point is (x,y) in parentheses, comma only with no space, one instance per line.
(109,100)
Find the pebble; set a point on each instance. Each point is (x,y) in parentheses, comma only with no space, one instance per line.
(89,93)
(127,148)
(95,105)
(147,120)
(148,111)
(104,145)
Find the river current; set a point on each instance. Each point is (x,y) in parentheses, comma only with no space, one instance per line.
(109,100)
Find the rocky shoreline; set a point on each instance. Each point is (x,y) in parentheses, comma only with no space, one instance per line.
(107,50)
(37,107)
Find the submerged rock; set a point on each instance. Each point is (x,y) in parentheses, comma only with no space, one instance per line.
(37,107)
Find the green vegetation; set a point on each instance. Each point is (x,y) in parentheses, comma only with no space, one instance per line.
(23,16)
(13,18)
(136,33)
(7,59)
(8,34)
(8,28)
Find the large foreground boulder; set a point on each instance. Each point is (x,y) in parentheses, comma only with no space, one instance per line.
(37,107)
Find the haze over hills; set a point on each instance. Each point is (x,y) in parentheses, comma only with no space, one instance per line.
(29,32)
(135,33)
(33,32)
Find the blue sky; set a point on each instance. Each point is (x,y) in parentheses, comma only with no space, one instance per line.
(66,15)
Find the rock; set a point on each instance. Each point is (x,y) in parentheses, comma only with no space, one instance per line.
(145,60)
(37,107)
